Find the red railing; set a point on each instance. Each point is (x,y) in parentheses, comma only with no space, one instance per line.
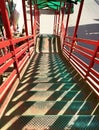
(12,62)
(15,53)
(84,59)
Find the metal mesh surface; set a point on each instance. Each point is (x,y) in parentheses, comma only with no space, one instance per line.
(51,97)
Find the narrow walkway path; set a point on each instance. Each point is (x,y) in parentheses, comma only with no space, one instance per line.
(51,96)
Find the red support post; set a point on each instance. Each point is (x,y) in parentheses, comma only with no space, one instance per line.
(36,21)
(6,23)
(92,60)
(55,22)
(67,22)
(31,17)
(25,22)
(5,19)
(16,60)
(68,16)
(62,26)
(78,18)
(58,22)
(77,24)
(35,7)
(63,9)
(25,18)
(54,25)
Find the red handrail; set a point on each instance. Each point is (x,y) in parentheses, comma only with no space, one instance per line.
(85,68)
(81,57)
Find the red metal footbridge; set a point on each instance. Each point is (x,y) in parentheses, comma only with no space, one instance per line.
(48,81)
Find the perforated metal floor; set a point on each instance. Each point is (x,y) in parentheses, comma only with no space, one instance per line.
(51,96)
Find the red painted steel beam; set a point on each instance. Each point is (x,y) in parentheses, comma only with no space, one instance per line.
(6,86)
(84,49)
(25,18)
(31,17)
(77,24)
(92,60)
(4,44)
(35,8)
(67,22)
(56,17)
(58,22)
(6,57)
(36,21)
(5,19)
(4,67)
(54,24)
(78,18)
(63,10)
(90,42)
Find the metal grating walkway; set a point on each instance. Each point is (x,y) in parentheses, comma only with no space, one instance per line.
(51,96)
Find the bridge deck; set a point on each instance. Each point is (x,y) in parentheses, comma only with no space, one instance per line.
(51,96)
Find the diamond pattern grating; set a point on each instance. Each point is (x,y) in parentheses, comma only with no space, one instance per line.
(50,97)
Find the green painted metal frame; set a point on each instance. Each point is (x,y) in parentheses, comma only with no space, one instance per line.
(52,4)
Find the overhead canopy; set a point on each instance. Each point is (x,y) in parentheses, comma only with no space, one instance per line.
(53,4)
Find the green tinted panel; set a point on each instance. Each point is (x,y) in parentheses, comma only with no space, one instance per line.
(42,5)
(54,4)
